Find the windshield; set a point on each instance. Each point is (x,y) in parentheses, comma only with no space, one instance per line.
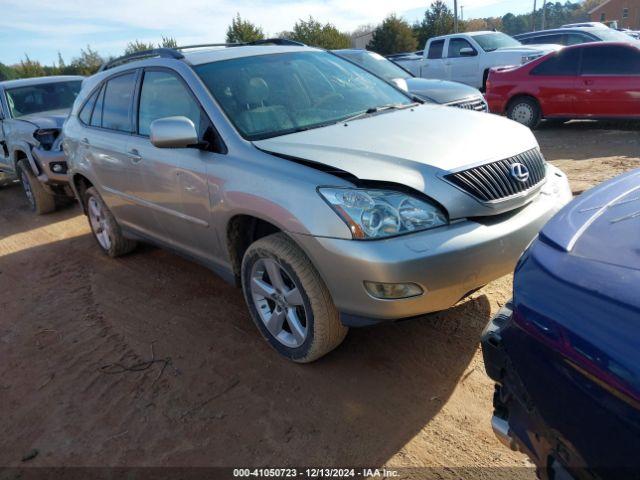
(42,98)
(269,95)
(376,64)
(492,41)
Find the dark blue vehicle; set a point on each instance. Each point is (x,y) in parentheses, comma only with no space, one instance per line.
(565,353)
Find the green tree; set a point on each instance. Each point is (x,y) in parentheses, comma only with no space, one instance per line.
(241,31)
(392,36)
(137,46)
(87,63)
(168,42)
(29,68)
(313,33)
(438,20)
(6,72)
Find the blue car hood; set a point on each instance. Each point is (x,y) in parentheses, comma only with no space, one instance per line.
(602,224)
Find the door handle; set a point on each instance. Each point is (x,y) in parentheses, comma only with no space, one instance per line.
(134,156)
(588,82)
(85,141)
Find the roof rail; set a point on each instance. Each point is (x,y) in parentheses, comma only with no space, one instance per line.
(156,52)
(175,52)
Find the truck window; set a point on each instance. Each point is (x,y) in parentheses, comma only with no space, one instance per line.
(457,44)
(435,49)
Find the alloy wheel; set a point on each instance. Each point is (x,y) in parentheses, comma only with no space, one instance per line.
(278,299)
(27,189)
(99,223)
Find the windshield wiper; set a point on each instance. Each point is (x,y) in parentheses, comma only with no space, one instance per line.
(382,108)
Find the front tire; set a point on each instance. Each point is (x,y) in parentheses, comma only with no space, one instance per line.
(40,201)
(104,226)
(525,110)
(288,301)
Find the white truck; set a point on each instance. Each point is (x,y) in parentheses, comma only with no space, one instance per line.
(467,57)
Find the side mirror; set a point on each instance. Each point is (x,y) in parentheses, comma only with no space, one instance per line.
(467,52)
(173,132)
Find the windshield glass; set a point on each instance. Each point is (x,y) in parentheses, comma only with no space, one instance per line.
(492,41)
(376,64)
(42,98)
(269,95)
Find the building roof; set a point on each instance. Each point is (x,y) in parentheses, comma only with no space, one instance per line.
(28,82)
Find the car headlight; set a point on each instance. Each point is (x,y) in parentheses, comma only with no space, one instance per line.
(374,214)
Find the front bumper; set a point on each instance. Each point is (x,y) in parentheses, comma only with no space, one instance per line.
(46,160)
(447,262)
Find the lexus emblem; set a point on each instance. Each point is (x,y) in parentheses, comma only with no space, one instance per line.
(519,172)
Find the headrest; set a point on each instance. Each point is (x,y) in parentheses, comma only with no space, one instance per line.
(255,91)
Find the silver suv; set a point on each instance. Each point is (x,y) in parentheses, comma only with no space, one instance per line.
(329,195)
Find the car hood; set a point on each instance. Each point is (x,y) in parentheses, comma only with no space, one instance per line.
(440,91)
(46,120)
(408,146)
(602,224)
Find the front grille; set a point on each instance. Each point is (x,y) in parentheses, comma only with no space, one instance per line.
(494,181)
(477,104)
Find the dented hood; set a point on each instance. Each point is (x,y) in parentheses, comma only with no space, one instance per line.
(407,146)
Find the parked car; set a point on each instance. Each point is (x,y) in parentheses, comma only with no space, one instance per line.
(32,112)
(467,57)
(590,80)
(332,197)
(573,35)
(564,353)
(452,94)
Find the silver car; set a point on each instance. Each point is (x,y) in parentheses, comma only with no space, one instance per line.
(32,112)
(330,196)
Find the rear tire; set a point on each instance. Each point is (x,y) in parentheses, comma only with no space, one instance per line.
(104,226)
(40,201)
(525,110)
(288,301)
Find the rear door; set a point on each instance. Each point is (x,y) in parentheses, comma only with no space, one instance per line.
(462,61)
(105,143)
(610,81)
(434,66)
(555,83)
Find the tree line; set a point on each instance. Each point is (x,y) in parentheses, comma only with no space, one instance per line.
(393,35)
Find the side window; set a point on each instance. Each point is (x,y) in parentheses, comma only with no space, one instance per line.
(96,117)
(116,111)
(610,60)
(527,41)
(164,95)
(435,49)
(556,38)
(576,38)
(87,110)
(564,63)
(457,44)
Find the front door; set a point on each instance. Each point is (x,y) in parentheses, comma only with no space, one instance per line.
(610,81)
(173,182)
(556,80)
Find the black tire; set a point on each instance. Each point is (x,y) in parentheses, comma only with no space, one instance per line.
(118,244)
(40,201)
(525,110)
(323,329)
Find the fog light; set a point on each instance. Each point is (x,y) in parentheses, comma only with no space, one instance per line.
(393,291)
(60,167)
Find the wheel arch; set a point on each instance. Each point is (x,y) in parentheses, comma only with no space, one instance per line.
(79,184)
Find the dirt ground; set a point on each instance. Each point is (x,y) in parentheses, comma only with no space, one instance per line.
(411,394)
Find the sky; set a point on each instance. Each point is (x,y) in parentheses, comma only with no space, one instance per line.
(42,28)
